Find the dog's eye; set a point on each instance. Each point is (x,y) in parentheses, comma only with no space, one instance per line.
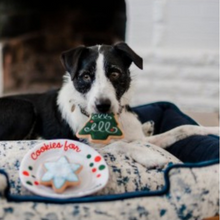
(86,78)
(114,76)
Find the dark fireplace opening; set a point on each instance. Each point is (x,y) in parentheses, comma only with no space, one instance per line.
(33,36)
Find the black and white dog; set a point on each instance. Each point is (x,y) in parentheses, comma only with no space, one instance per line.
(97,81)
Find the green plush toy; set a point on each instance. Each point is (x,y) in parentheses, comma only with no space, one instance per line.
(101,128)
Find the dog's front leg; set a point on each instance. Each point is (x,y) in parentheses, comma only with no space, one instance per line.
(168,138)
(139,151)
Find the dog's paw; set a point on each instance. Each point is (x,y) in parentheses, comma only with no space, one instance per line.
(139,152)
(148,158)
(148,128)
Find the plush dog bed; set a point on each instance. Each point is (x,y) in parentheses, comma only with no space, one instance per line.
(187,190)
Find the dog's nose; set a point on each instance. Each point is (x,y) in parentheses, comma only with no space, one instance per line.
(103,105)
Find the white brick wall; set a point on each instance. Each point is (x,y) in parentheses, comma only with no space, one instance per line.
(178,40)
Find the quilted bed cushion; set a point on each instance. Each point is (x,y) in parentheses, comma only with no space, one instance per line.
(179,191)
(125,174)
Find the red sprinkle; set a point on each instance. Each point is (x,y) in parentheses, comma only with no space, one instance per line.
(36,183)
(97,158)
(98,175)
(25,173)
(94,170)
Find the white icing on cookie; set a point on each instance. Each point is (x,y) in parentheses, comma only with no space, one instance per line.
(60,171)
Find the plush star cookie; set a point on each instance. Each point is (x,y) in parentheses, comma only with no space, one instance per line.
(60,174)
(101,128)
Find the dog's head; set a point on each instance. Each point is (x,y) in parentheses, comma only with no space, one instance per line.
(100,76)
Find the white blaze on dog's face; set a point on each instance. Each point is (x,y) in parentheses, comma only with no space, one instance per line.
(102,94)
(100,76)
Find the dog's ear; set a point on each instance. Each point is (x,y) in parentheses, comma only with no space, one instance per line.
(70,59)
(138,61)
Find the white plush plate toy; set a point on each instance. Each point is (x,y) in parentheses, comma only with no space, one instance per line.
(93,176)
